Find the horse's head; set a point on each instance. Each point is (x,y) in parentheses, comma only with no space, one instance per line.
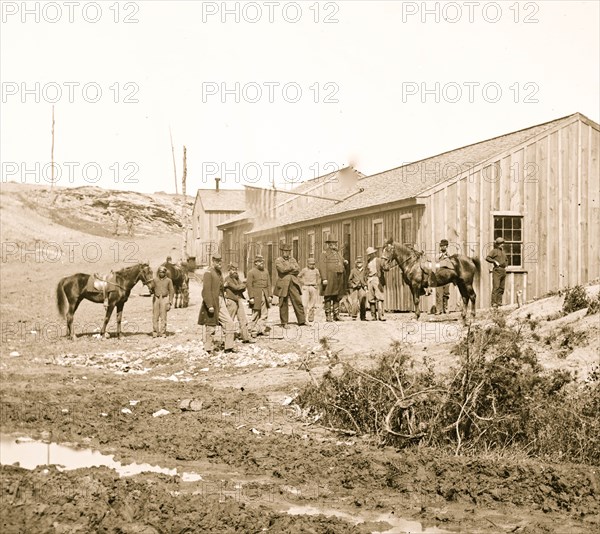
(389,252)
(145,274)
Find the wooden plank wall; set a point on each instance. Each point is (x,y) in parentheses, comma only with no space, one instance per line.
(553,182)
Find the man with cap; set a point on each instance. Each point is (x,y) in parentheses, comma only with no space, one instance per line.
(214,307)
(358,289)
(234,296)
(442,293)
(375,283)
(162,300)
(498,258)
(333,288)
(287,286)
(311,281)
(260,296)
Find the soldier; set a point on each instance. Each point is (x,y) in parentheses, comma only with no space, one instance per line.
(163,290)
(234,295)
(358,289)
(375,283)
(498,257)
(214,308)
(442,293)
(332,275)
(311,281)
(287,286)
(260,296)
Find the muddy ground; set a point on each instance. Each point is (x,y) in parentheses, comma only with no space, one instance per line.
(258,455)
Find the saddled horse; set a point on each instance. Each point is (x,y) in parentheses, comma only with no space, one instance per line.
(181,280)
(416,272)
(114,291)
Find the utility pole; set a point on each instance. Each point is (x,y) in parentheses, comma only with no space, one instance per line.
(174,166)
(184,220)
(52,153)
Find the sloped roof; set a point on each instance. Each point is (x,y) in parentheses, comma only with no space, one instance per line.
(222,200)
(410,180)
(281,197)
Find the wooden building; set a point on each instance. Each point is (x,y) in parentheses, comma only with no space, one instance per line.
(212,207)
(539,188)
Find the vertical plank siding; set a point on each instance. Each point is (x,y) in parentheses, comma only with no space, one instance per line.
(552,181)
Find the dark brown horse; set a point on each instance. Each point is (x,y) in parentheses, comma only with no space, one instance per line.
(411,264)
(180,278)
(71,290)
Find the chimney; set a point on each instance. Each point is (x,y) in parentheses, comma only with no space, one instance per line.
(217,180)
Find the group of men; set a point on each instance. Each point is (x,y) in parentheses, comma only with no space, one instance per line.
(223,296)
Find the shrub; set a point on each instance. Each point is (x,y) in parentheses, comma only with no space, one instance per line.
(575,299)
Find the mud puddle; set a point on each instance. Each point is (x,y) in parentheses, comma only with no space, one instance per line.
(397,524)
(30,454)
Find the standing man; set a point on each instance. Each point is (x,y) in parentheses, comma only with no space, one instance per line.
(498,258)
(358,289)
(375,283)
(161,302)
(311,280)
(234,295)
(287,286)
(260,296)
(214,308)
(442,293)
(332,276)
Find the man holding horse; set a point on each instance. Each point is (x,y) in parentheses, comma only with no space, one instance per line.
(214,307)
(442,293)
(162,301)
(375,283)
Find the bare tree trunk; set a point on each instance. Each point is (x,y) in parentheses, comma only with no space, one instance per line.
(52,153)
(174,166)
(184,221)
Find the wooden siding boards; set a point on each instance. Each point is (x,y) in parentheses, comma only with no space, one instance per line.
(594,206)
(552,180)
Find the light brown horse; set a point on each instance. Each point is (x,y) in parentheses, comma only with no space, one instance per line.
(71,290)
(411,264)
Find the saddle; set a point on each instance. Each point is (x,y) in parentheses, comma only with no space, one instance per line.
(99,283)
(431,268)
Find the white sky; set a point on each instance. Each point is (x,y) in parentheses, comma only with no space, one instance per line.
(366,57)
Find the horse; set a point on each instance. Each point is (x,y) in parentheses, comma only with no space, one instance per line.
(415,273)
(71,290)
(180,278)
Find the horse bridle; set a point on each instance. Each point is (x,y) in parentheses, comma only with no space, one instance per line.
(400,263)
(145,281)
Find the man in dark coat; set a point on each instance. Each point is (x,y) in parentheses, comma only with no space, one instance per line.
(333,288)
(498,257)
(214,307)
(288,287)
(258,284)
(442,293)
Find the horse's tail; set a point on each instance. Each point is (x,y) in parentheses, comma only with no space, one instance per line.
(477,263)
(61,298)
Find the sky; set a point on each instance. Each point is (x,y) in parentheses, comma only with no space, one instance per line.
(278,92)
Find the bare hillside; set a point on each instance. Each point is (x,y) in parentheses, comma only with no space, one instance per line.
(31,213)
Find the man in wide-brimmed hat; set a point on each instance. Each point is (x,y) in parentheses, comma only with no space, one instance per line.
(498,258)
(375,283)
(358,289)
(288,287)
(235,298)
(333,287)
